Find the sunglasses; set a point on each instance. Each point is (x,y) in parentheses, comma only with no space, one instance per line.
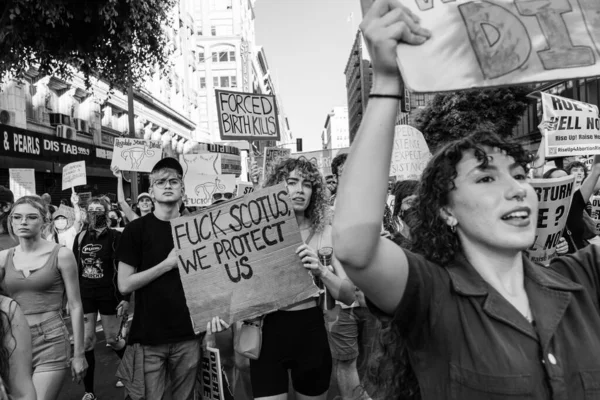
(219,196)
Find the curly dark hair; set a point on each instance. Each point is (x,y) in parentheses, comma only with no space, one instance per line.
(577,164)
(318,211)
(548,174)
(338,160)
(431,236)
(401,190)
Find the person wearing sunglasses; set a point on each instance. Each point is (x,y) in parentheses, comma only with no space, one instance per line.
(161,321)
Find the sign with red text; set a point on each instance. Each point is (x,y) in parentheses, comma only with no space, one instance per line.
(136,154)
(238,259)
(554,199)
(502,42)
(247,116)
(572,128)
(74,174)
(410,154)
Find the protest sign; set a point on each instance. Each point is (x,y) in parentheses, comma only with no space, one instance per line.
(21,182)
(74,175)
(554,202)
(272,156)
(595,212)
(570,127)
(136,154)
(322,158)
(238,259)
(244,188)
(504,42)
(247,116)
(201,189)
(203,163)
(211,375)
(410,154)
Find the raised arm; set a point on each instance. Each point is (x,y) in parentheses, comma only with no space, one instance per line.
(129,280)
(589,185)
(69,272)
(78,220)
(129,214)
(376,265)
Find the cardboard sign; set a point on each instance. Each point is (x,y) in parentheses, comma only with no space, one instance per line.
(238,259)
(244,188)
(247,116)
(204,163)
(410,154)
(501,42)
(211,375)
(554,199)
(201,189)
(136,154)
(571,128)
(74,175)
(322,158)
(272,156)
(21,182)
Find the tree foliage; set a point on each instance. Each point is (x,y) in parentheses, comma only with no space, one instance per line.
(453,115)
(102,38)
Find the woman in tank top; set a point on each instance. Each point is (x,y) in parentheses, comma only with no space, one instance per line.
(38,275)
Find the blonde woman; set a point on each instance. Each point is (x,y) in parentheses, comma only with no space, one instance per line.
(38,274)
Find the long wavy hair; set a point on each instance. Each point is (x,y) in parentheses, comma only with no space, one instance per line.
(390,374)
(577,164)
(5,333)
(35,202)
(318,211)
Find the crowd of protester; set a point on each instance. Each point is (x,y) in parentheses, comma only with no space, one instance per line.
(433,295)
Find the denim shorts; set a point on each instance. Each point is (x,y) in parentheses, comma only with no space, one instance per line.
(51,347)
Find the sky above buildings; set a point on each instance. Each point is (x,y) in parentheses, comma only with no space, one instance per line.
(307,44)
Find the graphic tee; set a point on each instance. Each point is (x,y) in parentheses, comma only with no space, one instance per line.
(96,258)
(161,315)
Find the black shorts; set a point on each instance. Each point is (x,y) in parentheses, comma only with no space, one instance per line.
(296,341)
(103,300)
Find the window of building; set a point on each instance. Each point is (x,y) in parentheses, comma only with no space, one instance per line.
(216,81)
(203,83)
(213,30)
(232,56)
(224,81)
(223,53)
(223,56)
(233,80)
(201,58)
(215,57)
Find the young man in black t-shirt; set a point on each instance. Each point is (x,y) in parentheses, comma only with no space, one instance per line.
(95,251)
(148,266)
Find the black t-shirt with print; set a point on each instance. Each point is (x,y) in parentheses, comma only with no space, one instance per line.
(96,258)
(161,315)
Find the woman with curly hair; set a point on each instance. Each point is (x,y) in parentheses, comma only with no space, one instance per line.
(479,319)
(15,351)
(40,275)
(294,339)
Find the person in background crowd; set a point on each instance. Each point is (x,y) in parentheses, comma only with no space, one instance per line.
(65,202)
(331,185)
(294,339)
(15,351)
(480,320)
(144,205)
(48,201)
(39,275)
(62,230)
(337,168)
(404,198)
(115,220)
(576,233)
(7,199)
(579,170)
(161,325)
(95,252)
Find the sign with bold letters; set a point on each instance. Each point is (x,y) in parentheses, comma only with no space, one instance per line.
(211,375)
(554,199)
(74,175)
(237,260)
(477,43)
(247,116)
(572,128)
(136,154)
(22,182)
(244,188)
(410,154)
(272,156)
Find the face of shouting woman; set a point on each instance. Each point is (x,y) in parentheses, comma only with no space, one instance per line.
(300,190)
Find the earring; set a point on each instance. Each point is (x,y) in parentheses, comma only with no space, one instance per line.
(453,228)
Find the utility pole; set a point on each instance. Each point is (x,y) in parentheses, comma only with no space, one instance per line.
(131,117)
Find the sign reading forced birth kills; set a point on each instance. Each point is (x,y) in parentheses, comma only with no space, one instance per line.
(247,116)
(554,199)
(238,260)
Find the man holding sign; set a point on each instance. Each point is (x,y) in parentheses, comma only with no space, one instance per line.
(148,266)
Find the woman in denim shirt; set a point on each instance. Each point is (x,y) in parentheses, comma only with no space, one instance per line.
(480,321)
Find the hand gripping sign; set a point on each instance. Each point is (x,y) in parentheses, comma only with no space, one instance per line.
(237,260)
(476,43)
(554,202)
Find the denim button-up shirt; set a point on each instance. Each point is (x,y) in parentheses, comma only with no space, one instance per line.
(466,341)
